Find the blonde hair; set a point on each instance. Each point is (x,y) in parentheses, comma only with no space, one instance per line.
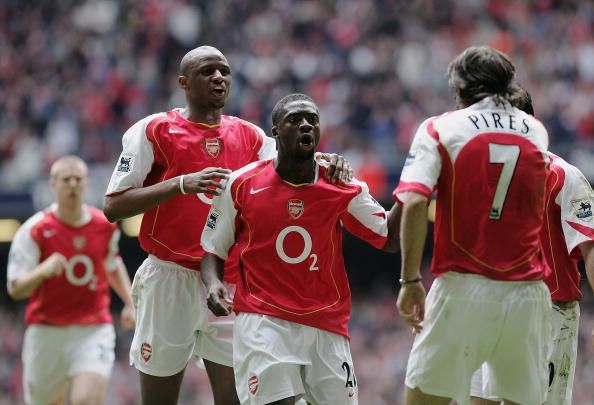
(67,160)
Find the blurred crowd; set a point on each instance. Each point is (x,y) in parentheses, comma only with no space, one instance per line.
(380,343)
(75,74)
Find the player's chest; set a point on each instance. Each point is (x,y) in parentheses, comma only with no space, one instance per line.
(267,206)
(197,151)
(91,244)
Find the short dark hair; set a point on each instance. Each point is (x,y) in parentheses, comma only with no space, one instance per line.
(279,108)
(482,71)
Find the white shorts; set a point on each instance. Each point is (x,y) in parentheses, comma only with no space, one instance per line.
(54,354)
(470,320)
(565,323)
(173,321)
(275,359)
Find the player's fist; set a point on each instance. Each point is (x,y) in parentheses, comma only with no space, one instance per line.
(128,317)
(210,181)
(53,265)
(411,305)
(219,300)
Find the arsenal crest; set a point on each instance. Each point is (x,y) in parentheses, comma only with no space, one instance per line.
(295,207)
(79,242)
(213,147)
(146,351)
(253,384)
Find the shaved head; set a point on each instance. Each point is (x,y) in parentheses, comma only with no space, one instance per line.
(67,161)
(195,54)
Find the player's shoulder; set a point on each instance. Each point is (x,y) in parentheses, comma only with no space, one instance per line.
(245,127)
(558,163)
(571,174)
(37,223)
(248,171)
(38,220)
(352,187)
(152,119)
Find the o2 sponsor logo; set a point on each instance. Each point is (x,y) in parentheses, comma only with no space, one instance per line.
(305,253)
(77,278)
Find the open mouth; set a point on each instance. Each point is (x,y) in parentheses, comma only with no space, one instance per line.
(219,92)
(306,141)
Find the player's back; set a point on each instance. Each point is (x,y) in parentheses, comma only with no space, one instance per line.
(490,191)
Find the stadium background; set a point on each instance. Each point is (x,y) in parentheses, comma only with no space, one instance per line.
(75,74)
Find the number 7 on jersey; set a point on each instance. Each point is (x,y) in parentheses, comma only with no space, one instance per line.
(508,155)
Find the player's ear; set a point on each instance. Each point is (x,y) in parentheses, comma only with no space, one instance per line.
(183,82)
(274,132)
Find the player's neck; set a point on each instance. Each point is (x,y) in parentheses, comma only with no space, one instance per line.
(203,116)
(295,171)
(70,215)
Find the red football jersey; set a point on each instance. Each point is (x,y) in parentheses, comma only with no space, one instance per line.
(166,145)
(488,165)
(569,222)
(80,295)
(290,237)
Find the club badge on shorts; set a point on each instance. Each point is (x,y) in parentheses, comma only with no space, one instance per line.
(146,351)
(253,385)
(295,207)
(213,147)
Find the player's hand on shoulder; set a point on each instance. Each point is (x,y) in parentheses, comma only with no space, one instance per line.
(411,305)
(53,265)
(209,181)
(218,300)
(128,317)
(339,169)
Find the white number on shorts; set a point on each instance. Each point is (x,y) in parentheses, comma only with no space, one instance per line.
(88,277)
(508,155)
(307,245)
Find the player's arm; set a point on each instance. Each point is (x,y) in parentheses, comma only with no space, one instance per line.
(119,281)
(217,239)
(587,251)
(126,194)
(23,285)
(394,216)
(26,272)
(411,297)
(136,201)
(212,272)
(419,177)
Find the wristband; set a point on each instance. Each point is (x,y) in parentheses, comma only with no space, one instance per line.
(404,282)
(181,184)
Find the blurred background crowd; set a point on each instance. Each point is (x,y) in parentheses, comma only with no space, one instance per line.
(75,74)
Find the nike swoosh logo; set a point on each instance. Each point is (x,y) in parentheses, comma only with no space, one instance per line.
(176,131)
(49,233)
(252,191)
